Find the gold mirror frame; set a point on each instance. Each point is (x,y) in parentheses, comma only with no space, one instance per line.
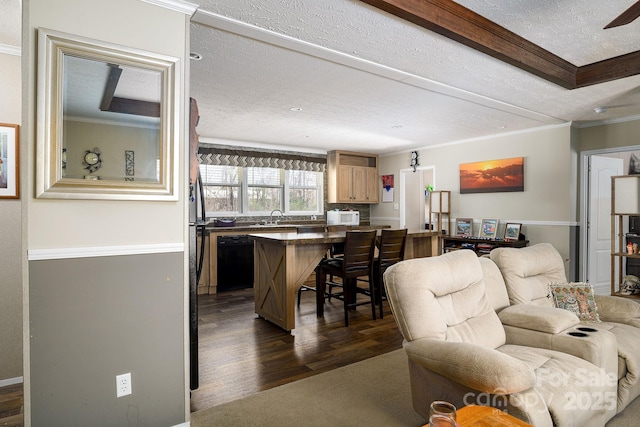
(50,179)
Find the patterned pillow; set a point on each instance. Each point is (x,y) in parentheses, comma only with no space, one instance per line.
(576,297)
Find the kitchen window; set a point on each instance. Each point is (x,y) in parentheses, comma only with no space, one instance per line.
(256,191)
(222,188)
(264,189)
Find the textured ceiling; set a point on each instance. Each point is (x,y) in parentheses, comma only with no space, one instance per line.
(571,29)
(366,80)
(362,79)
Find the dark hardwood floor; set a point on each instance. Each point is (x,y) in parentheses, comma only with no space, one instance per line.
(11,406)
(241,354)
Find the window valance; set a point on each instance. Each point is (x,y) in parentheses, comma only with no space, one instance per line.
(245,157)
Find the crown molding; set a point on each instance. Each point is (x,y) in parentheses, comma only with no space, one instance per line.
(175,5)
(607,122)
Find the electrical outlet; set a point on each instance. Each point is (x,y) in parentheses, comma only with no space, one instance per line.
(123,385)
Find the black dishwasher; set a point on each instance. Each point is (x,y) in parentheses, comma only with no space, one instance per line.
(235,262)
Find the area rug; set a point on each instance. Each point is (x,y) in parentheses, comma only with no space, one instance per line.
(374,392)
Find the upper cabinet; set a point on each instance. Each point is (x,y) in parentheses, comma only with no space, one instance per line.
(352,177)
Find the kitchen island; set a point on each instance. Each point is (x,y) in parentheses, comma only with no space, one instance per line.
(283,261)
(209,279)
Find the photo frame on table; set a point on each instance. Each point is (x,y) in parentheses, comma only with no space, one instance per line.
(488,228)
(512,231)
(9,161)
(464,227)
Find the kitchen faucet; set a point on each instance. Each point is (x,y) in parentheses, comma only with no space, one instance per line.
(271,216)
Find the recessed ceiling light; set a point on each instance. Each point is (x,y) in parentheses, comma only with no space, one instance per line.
(600,110)
(295,109)
(195,56)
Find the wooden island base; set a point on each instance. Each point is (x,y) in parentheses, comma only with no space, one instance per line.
(284,261)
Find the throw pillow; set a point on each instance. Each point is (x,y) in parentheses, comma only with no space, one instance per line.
(576,297)
(630,285)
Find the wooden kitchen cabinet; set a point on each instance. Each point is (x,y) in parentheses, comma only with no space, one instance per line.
(352,177)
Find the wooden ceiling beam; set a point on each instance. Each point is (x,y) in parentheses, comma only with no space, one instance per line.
(110,88)
(609,69)
(135,107)
(458,23)
(125,105)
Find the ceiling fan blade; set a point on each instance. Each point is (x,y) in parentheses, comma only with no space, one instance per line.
(625,17)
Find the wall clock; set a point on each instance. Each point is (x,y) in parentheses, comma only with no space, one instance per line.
(92,160)
(414,160)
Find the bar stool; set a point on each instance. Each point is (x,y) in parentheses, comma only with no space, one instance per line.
(359,249)
(390,251)
(336,250)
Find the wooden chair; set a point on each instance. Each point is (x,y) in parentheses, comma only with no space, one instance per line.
(336,250)
(390,251)
(308,229)
(359,249)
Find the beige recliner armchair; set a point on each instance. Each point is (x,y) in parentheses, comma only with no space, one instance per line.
(527,273)
(457,349)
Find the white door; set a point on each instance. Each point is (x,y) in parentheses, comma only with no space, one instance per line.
(601,169)
(412,208)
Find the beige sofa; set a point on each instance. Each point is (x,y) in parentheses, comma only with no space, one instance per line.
(459,351)
(527,273)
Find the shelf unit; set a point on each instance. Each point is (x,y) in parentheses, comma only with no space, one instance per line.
(480,246)
(440,210)
(625,202)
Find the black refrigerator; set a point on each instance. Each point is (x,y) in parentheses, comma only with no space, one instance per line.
(196,251)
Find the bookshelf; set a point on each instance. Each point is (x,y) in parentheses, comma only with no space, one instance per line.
(625,203)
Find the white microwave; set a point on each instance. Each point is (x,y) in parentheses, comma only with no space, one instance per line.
(343,218)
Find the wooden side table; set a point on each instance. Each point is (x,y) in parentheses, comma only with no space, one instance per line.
(485,416)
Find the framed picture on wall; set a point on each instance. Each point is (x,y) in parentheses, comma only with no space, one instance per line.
(491,176)
(9,161)
(512,231)
(488,229)
(464,227)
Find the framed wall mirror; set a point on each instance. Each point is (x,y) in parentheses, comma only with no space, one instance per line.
(107,120)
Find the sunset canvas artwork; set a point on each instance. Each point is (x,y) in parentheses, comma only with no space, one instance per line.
(492,176)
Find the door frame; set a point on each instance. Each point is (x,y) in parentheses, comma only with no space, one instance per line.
(585,199)
(401,215)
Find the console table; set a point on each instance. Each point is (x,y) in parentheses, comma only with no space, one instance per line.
(479,246)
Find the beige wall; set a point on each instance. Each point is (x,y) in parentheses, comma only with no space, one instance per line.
(118,225)
(112,140)
(614,135)
(11,245)
(90,318)
(544,208)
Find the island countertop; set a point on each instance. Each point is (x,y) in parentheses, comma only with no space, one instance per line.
(292,238)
